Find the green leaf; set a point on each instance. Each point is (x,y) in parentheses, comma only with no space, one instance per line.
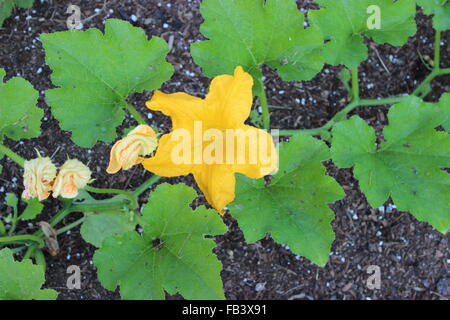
(11,200)
(294,208)
(34,207)
(345,23)
(172,254)
(96,73)
(407,166)
(445,100)
(99,226)
(6,7)
(25,4)
(20,118)
(250,33)
(441,11)
(22,280)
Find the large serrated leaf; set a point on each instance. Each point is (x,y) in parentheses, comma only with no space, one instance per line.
(172,254)
(250,33)
(345,22)
(294,208)
(440,9)
(96,73)
(407,166)
(22,280)
(19,116)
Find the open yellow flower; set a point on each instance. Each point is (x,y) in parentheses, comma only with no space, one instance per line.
(38,176)
(210,140)
(72,176)
(126,152)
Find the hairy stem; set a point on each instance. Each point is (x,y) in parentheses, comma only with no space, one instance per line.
(343,113)
(135,114)
(71,226)
(355,84)
(437,50)
(264,105)
(12,155)
(147,184)
(127,194)
(23,238)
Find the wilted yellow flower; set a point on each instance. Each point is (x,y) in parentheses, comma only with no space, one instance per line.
(38,177)
(126,152)
(72,176)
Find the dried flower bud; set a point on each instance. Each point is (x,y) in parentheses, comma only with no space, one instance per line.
(38,177)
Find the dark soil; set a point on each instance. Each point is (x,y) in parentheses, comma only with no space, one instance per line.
(413,257)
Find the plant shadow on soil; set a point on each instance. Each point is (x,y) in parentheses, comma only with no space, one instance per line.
(413,257)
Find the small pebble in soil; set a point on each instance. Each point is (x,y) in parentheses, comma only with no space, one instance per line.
(260,287)
(443,286)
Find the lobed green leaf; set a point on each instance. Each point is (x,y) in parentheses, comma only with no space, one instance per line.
(20,118)
(172,254)
(407,165)
(440,9)
(22,280)
(294,207)
(345,23)
(97,72)
(250,33)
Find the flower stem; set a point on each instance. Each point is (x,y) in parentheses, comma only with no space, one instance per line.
(135,114)
(264,105)
(437,50)
(12,155)
(127,194)
(71,226)
(147,184)
(20,238)
(355,84)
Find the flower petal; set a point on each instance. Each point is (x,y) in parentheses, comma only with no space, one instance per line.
(217,183)
(165,163)
(261,156)
(181,107)
(231,97)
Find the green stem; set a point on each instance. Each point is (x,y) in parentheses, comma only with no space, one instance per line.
(135,114)
(2,228)
(40,259)
(147,184)
(343,113)
(437,50)
(12,155)
(71,226)
(264,105)
(127,194)
(424,86)
(355,84)
(26,238)
(60,216)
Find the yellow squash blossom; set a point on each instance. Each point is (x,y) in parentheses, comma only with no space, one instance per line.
(72,176)
(126,152)
(210,140)
(38,176)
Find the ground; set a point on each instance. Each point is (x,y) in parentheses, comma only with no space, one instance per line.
(413,257)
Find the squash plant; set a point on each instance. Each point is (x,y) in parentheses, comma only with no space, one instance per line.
(95,73)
